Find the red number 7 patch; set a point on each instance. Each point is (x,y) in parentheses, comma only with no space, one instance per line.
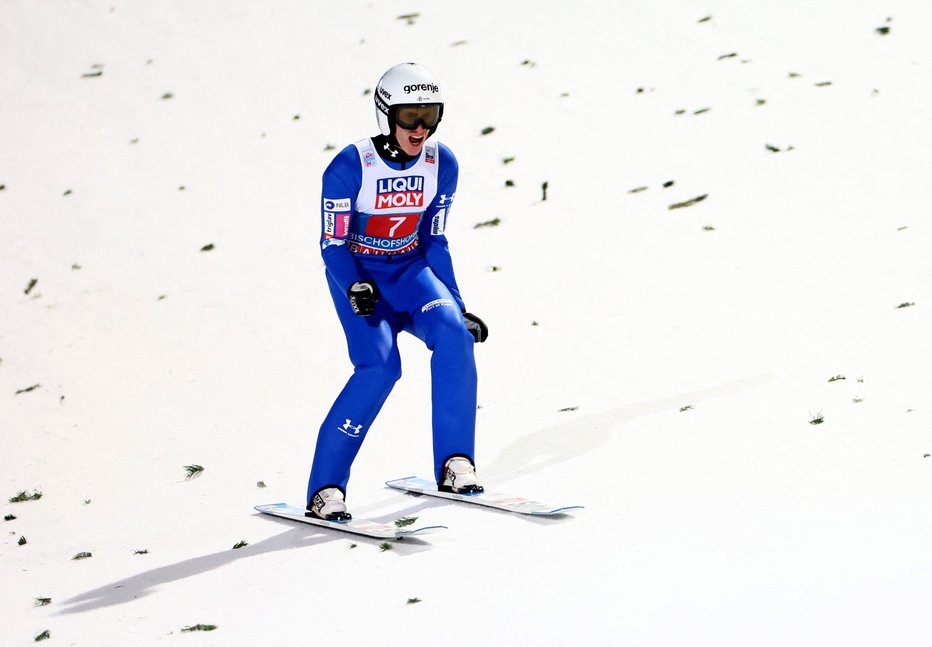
(396,226)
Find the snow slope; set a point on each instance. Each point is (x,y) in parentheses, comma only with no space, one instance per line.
(660,366)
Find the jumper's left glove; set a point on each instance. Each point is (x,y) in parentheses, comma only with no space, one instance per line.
(363,295)
(476,327)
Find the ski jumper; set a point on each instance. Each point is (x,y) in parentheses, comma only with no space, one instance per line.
(384,221)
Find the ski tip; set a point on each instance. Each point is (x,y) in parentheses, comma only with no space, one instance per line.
(269,506)
(558,511)
(417,532)
(406,478)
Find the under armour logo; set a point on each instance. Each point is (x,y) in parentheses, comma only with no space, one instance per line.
(350,430)
(391,151)
(444,199)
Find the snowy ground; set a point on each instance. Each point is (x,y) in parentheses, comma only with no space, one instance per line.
(660,366)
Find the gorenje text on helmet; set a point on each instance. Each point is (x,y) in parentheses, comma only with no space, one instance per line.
(421,87)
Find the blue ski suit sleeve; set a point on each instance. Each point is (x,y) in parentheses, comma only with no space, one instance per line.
(433,244)
(341,182)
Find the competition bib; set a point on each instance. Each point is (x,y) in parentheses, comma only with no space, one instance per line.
(390,203)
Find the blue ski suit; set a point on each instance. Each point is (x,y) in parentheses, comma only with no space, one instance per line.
(384,221)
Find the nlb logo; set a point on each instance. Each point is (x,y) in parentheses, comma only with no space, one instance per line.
(339,204)
(399,192)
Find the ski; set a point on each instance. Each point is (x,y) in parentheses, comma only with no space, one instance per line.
(489,499)
(364,527)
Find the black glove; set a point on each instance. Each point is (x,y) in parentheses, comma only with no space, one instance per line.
(363,295)
(476,326)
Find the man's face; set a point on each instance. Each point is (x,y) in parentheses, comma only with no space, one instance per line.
(411,141)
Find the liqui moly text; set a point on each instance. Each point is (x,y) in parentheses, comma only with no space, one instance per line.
(397,192)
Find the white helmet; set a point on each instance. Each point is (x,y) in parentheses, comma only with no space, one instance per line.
(407,84)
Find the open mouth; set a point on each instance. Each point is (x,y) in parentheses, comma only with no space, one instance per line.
(416,140)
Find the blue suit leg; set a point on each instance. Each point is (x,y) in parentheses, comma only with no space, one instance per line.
(373,350)
(437,321)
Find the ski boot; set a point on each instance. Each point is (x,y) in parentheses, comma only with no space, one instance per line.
(459,477)
(328,504)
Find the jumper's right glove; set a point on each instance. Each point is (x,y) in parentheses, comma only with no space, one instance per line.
(363,295)
(476,326)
